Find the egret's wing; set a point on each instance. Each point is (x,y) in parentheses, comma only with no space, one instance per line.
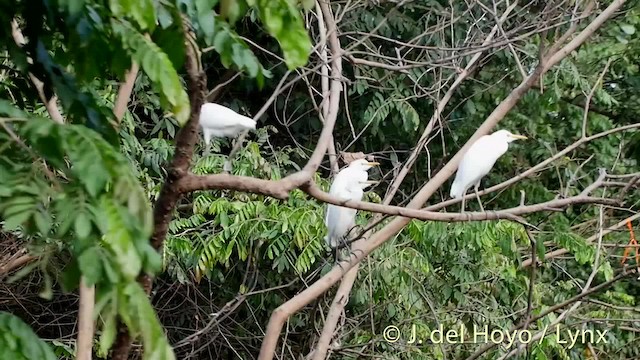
(339,221)
(217,116)
(471,167)
(477,162)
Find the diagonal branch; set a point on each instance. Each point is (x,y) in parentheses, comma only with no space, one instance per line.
(124,92)
(50,104)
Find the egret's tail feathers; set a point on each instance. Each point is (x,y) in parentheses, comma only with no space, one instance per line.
(456,189)
(247,122)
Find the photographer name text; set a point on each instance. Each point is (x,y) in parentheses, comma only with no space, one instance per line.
(482,334)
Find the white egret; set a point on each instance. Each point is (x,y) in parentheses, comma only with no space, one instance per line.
(478,161)
(220,121)
(349,184)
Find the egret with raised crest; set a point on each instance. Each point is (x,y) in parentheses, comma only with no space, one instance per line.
(349,184)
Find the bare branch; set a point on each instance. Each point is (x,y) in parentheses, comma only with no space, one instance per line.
(587,102)
(490,345)
(16,263)
(124,92)
(51,104)
(589,240)
(393,188)
(85,320)
(537,167)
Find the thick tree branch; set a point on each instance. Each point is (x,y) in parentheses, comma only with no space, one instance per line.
(324,84)
(169,193)
(340,300)
(278,189)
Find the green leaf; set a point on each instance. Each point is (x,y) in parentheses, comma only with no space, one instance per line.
(140,317)
(284,22)
(628,29)
(71,276)
(90,265)
(14,221)
(232,10)
(82,225)
(73,6)
(206,16)
(171,41)
(7,109)
(43,222)
(108,335)
(118,236)
(19,342)
(142,11)
(158,67)
(308,4)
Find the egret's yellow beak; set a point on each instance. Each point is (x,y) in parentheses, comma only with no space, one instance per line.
(373,163)
(370,182)
(518,137)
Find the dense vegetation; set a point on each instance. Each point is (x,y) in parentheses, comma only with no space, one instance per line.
(99,140)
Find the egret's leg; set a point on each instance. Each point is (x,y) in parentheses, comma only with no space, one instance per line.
(207,149)
(337,252)
(475,189)
(462,205)
(228,166)
(351,251)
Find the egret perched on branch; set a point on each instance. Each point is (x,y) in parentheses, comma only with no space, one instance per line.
(478,161)
(349,184)
(219,121)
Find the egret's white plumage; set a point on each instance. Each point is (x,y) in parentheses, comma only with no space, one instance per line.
(349,184)
(219,121)
(478,161)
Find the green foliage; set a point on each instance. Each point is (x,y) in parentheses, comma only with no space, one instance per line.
(158,67)
(283,21)
(19,342)
(93,205)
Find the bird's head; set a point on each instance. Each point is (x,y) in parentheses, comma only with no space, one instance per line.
(507,136)
(362,164)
